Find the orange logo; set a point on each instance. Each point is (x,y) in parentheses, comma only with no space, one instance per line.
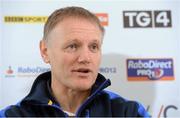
(9,71)
(103,17)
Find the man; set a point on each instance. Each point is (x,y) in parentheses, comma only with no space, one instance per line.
(72,46)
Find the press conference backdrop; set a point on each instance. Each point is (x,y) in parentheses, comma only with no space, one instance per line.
(140,49)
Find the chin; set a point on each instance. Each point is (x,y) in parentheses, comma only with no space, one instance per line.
(83,86)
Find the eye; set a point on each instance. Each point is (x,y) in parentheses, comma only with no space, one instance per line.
(72,47)
(94,47)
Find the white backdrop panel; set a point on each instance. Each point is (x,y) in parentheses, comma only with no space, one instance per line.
(20,51)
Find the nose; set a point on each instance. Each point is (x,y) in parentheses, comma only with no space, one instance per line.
(84,56)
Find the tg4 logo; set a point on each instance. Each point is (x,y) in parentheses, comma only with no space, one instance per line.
(147,19)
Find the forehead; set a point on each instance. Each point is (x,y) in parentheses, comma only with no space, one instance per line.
(76,26)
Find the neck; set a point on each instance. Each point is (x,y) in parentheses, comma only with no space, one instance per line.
(69,99)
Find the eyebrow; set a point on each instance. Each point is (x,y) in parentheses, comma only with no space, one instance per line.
(76,40)
(73,40)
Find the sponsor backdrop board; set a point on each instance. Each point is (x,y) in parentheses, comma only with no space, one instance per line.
(0,52)
(140,49)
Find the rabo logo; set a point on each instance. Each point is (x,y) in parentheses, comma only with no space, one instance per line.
(150,69)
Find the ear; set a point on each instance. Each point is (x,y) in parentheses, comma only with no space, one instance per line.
(43,51)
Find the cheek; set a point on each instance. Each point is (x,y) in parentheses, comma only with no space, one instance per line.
(57,59)
(97,59)
(68,60)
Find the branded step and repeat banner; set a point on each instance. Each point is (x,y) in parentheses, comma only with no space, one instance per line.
(0,53)
(140,49)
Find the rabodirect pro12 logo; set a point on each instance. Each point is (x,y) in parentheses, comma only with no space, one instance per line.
(150,69)
(147,19)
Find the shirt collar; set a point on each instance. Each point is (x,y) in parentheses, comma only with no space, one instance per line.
(41,92)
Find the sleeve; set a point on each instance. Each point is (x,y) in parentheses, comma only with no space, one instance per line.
(2,113)
(142,112)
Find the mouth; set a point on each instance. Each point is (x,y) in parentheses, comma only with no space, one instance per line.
(82,70)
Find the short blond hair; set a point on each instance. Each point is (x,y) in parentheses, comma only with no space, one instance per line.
(60,14)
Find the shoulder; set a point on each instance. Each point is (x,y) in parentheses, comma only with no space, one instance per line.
(120,105)
(14,111)
(114,97)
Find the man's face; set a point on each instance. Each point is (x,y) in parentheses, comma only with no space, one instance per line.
(74,53)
